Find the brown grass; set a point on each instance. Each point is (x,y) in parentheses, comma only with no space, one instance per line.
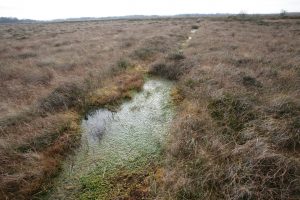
(30,159)
(51,73)
(236,134)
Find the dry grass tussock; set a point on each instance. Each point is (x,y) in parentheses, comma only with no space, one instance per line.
(52,73)
(237,133)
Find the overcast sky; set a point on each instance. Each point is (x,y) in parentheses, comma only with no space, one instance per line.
(54,9)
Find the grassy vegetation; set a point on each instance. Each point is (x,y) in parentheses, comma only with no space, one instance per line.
(236,132)
(137,179)
(50,75)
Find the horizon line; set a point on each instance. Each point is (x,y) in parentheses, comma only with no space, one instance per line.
(139,15)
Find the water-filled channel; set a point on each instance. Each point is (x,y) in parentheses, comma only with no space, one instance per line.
(131,136)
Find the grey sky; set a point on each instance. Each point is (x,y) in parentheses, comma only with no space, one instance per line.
(54,9)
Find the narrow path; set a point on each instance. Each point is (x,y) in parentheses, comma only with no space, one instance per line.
(184,44)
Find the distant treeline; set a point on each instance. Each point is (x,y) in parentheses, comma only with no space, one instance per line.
(6,20)
(9,20)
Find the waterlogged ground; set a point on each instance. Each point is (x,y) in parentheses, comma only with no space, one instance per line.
(117,145)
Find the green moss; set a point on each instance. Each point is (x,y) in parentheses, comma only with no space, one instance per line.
(101,183)
(94,187)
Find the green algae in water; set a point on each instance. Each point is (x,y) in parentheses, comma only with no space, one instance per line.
(126,140)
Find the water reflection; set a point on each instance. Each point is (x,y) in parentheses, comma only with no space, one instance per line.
(112,140)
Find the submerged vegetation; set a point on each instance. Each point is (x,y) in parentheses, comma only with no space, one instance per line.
(52,75)
(235,134)
(128,152)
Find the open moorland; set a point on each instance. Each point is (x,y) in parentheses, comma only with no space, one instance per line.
(236,129)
